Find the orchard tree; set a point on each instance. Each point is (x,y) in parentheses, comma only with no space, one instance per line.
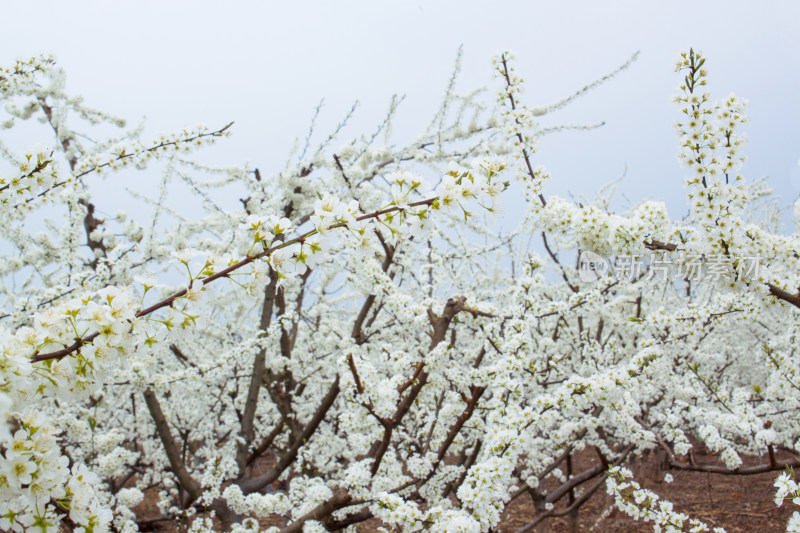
(360,341)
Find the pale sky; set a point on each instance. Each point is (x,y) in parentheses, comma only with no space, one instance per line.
(266,65)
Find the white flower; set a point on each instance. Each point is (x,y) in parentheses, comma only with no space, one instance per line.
(18,469)
(195,292)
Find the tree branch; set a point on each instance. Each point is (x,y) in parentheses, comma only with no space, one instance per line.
(247,430)
(258,483)
(189,484)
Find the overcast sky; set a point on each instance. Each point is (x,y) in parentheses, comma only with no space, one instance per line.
(266,65)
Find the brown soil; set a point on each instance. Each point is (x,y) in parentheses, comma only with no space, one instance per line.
(740,504)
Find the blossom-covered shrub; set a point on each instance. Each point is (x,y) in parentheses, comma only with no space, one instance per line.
(361,339)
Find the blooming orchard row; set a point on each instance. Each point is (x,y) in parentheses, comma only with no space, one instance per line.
(360,341)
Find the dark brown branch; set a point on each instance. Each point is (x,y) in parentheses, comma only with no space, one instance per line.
(356,518)
(259,364)
(358,333)
(573,482)
(354,371)
(440,324)
(462,419)
(188,483)
(578,502)
(265,444)
(453,486)
(741,471)
(552,466)
(341,169)
(341,499)
(658,245)
(258,483)
(786,296)
(554,257)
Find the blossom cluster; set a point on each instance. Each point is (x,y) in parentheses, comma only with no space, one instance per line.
(33,472)
(787,489)
(711,148)
(22,72)
(36,173)
(645,504)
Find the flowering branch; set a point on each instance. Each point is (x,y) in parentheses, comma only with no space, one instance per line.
(170,300)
